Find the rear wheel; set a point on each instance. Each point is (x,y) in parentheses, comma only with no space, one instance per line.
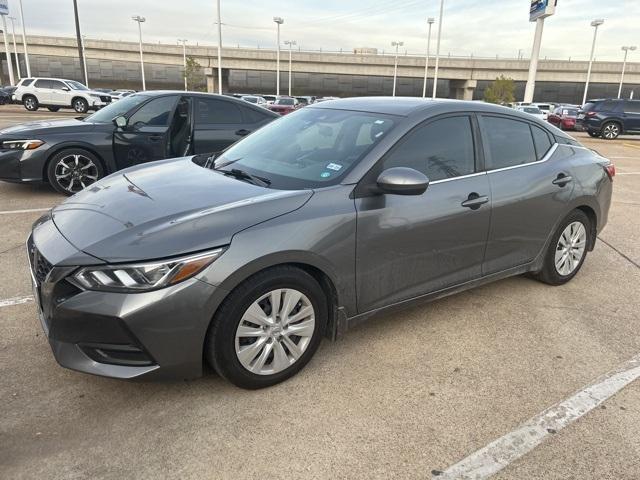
(74,169)
(80,105)
(30,103)
(611,131)
(268,328)
(567,249)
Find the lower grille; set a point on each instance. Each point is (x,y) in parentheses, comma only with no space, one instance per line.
(39,265)
(105,98)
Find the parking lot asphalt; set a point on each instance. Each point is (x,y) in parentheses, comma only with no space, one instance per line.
(405,395)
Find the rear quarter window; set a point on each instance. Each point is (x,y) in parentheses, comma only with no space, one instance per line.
(26,82)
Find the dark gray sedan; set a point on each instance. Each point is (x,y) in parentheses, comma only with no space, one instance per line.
(305,228)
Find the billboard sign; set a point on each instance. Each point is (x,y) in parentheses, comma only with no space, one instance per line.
(541,9)
(4,7)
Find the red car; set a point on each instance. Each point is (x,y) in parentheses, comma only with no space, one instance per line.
(284,105)
(564,117)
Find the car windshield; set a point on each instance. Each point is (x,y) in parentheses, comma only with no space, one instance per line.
(310,148)
(76,85)
(569,112)
(250,99)
(113,110)
(285,101)
(534,110)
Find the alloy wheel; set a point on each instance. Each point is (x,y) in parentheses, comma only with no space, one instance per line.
(75,172)
(30,103)
(611,131)
(570,248)
(80,106)
(275,331)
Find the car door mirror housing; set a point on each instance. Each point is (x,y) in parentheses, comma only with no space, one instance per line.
(120,122)
(66,89)
(402,181)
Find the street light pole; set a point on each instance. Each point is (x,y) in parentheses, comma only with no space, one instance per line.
(291,43)
(24,41)
(7,49)
(595,24)
(79,42)
(219,49)
(15,48)
(84,62)
(279,21)
(430,21)
(395,64)
(140,20)
(435,73)
(624,65)
(184,59)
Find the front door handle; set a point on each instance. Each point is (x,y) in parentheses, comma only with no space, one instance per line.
(242,132)
(474,201)
(155,138)
(562,179)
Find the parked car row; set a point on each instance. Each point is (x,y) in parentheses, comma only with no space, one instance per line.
(609,118)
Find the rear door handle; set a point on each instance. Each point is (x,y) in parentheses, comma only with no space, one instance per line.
(474,201)
(562,179)
(242,132)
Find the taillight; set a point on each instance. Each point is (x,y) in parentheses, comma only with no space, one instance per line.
(611,170)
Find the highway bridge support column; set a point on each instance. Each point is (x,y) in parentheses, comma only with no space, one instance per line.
(463,89)
(212,79)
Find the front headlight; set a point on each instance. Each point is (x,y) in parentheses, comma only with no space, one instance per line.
(20,144)
(95,95)
(143,276)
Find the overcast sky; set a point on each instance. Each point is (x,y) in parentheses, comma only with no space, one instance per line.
(478,27)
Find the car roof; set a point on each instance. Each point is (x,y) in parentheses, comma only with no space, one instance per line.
(407,106)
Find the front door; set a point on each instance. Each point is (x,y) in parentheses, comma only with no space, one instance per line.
(146,136)
(57,94)
(408,246)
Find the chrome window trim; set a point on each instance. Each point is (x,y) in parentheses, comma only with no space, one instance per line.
(476,174)
(548,155)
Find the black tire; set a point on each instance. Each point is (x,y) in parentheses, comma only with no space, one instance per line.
(611,130)
(53,109)
(549,273)
(220,342)
(593,134)
(30,103)
(65,185)
(80,105)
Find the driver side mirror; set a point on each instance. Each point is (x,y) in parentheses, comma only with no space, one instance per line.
(120,122)
(66,89)
(402,181)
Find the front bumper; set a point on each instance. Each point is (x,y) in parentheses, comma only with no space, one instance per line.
(23,165)
(158,334)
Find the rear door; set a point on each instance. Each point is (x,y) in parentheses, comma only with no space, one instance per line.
(146,136)
(42,90)
(408,246)
(218,124)
(526,170)
(632,115)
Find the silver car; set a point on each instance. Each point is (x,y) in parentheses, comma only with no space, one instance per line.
(248,257)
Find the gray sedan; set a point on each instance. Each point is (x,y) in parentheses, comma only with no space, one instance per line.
(310,225)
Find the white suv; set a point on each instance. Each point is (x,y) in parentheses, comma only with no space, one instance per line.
(56,93)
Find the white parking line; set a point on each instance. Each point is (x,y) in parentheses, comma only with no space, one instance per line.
(30,210)
(627,173)
(497,455)
(7,302)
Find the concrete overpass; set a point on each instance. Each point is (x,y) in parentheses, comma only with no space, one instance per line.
(346,73)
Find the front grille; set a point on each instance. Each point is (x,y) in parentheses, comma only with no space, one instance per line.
(105,98)
(41,267)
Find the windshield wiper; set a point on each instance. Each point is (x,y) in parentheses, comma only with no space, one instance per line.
(242,175)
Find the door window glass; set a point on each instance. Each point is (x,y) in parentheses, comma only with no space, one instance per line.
(42,84)
(214,111)
(155,113)
(632,106)
(541,141)
(56,85)
(509,142)
(441,149)
(254,116)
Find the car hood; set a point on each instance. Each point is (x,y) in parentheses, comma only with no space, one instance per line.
(48,126)
(172,207)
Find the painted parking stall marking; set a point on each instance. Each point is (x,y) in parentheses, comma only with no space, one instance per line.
(499,454)
(8,302)
(29,210)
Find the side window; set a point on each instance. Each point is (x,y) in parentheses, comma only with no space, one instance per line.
(56,85)
(631,106)
(214,111)
(155,113)
(42,84)
(509,142)
(608,106)
(26,82)
(253,116)
(440,149)
(541,141)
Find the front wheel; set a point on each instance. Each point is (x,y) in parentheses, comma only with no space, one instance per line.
(74,169)
(268,328)
(80,105)
(610,131)
(567,249)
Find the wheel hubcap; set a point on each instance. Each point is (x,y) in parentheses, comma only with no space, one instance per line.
(275,331)
(611,131)
(75,172)
(570,248)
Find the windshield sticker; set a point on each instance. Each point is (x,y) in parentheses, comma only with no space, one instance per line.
(325,174)
(334,166)
(379,122)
